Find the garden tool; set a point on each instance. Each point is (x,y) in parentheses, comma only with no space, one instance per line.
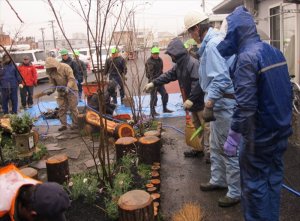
(190,129)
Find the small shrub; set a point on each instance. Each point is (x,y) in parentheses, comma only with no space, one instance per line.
(21,124)
(41,151)
(84,185)
(127,161)
(111,209)
(144,171)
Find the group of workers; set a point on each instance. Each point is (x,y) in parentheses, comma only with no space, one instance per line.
(240,87)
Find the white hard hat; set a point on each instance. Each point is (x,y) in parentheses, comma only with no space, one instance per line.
(194,17)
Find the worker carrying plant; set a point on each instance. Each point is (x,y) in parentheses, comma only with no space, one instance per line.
(63,80)
(115,66)
(23,198)
(154,68)
(185,71)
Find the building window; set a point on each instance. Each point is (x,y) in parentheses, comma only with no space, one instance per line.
(275,26)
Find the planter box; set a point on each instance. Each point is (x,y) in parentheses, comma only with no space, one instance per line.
(25,143)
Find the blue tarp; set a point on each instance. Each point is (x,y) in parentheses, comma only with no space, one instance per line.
(175,104)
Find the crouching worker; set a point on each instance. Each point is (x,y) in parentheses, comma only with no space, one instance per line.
(62,78)
(93,101)
(26,199)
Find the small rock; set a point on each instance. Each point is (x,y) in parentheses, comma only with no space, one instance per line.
(91,163)
(73,153)
(39,165)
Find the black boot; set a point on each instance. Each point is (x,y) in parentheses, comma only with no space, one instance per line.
(166,110)
(154,113)
(115,100)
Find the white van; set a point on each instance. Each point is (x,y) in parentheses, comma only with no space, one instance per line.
(37,57)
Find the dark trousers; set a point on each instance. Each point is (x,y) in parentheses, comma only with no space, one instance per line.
(261,178)
(79,85)
(26,94)
(7,95)
(119,81)
(164,97)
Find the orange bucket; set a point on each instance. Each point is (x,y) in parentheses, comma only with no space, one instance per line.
(89,88)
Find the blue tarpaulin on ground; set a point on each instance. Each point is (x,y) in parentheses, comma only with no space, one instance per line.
(175,104)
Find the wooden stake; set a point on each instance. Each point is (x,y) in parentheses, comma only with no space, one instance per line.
(125,145)
(136,205)
(58,168)
(149,149)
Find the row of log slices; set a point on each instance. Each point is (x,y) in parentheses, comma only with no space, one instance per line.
(147,148)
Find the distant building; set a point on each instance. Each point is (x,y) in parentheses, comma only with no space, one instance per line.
(4,38)
(62,43)
(144,38)
(127,39)
(164,39)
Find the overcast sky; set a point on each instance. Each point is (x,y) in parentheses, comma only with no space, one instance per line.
(157,15)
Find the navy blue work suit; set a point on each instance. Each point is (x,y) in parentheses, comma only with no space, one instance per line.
(262,115)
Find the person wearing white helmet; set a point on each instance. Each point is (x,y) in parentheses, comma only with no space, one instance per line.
(218,109)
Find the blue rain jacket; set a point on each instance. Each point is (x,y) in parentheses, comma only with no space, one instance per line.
(214,71)
(261,82)
(9,76)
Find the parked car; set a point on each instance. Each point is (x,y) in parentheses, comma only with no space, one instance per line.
(37,57)
(96,62)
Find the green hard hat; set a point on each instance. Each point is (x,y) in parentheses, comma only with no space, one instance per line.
(114,50)
(186,45)
(155,50)
(76,52)
(63,51)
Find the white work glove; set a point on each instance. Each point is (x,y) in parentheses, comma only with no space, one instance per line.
(21,86)
(148,87)
(187,104)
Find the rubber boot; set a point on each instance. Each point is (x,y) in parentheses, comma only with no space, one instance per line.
(154,113)
(166,110)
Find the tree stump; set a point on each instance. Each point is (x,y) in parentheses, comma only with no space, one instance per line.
(136,205)
(30,172)
(149,149)
(152,133)
(58,168)
(125,145)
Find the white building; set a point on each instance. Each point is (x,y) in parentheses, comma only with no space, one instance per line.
(280,19)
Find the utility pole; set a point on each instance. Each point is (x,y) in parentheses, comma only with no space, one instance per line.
(52,25)
(42,29)
(203,5)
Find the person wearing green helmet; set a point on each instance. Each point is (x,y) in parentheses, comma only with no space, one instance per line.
(154,68)
(82,72)
(116,68)
(66,59)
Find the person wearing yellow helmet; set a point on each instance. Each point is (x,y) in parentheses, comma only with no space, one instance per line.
(116,68)
(154,68)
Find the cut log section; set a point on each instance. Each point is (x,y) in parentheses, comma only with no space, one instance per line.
(116,129)
(152,133)
(30,172)
(125,145)
(149,149)
(58,168)
(136,205)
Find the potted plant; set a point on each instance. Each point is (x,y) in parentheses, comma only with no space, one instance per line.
(22,133)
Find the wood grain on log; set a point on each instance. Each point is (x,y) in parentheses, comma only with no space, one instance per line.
(125,145)
(149,149)
(136,205)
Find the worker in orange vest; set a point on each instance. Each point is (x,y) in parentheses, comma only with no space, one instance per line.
(25,199)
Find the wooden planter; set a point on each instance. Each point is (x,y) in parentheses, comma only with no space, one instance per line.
(25,143)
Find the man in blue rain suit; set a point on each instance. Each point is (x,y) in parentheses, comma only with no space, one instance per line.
(219,104)
(262,116)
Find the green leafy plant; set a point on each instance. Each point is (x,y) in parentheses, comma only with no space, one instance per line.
(9,151)
(84,185)
(21,124)
(127,161)
(111,209)
(41,151)
(144,171)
